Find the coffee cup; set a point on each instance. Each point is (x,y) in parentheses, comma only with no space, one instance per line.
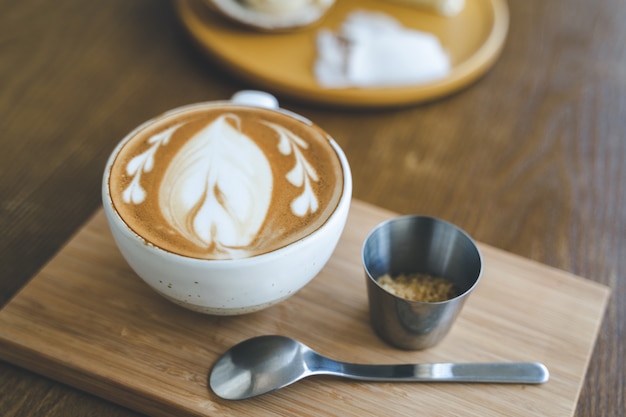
(227,207)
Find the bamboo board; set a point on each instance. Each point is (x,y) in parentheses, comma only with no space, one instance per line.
(86,320)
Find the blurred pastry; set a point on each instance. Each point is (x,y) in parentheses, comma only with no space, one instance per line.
(444,7)
(273,15)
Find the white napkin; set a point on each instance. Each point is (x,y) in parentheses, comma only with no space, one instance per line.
(375,50)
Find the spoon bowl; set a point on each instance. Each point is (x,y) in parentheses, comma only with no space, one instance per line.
(266,363)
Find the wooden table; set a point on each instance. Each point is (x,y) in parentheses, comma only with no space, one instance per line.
(529,159)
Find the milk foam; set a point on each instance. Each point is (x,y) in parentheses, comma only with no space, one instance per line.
(143,163)
(217,190)
(302,173)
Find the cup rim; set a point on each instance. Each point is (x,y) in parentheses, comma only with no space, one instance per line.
(344,199)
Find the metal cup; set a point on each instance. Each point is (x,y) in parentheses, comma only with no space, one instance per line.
(418,244)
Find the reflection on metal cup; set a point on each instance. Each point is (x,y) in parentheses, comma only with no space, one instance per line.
(418,245)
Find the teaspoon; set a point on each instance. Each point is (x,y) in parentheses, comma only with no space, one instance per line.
(263,364)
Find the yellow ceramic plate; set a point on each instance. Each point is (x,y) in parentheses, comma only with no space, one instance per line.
(282,63)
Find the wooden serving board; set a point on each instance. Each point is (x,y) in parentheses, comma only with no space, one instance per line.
(88,321)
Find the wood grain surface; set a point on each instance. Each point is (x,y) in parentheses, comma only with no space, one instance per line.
(530,159)
(88,321)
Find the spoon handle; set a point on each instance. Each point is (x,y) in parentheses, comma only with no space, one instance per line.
(513,373)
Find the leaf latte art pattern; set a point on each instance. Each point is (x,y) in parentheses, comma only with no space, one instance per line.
(143,163)
(217,189)
(302,173)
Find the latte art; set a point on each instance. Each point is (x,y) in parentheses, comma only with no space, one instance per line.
(143,163)
(303,172)
(216,191)
(222,183)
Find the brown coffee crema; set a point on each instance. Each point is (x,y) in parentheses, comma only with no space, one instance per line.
(225,182)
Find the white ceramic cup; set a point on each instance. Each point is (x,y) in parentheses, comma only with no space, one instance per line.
(231,286)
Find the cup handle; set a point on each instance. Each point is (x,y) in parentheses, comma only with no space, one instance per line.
(255,98)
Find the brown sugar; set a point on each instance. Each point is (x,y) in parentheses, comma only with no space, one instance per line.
(418,287)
